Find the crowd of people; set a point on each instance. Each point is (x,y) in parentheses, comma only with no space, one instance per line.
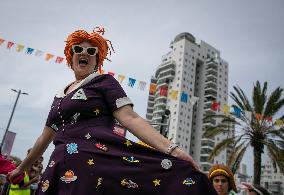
(24,184)
(89,158)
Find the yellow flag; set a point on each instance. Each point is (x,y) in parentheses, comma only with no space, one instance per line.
(174,94)
(120,78)
(279,122)
(226,109)
(20,48)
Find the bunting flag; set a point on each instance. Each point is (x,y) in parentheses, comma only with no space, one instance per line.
(237,111)
(269,119)
(38,53)
(10,44)
(48,56)
(131,82)
(215,106)
(111,73)
(163,91)
(19,48)
(141,85)
(248,115)
(226,109)
(174,94)
(152,88)
(120,78)
(29,51)
(59,60)
(184,97)
(279,122)
(258,116)
(1,41)
(194,100)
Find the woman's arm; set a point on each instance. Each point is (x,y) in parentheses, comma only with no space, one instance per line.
(145,132)
(37,150)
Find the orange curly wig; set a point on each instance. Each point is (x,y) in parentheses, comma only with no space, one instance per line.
(94,38)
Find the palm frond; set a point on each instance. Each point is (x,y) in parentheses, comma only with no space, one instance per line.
(221,146)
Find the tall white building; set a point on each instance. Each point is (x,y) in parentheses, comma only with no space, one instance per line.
(272,179)
(198,70)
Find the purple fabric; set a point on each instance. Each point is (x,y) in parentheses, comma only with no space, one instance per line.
(79,166)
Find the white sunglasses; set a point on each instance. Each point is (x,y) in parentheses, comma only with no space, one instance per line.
(91,51)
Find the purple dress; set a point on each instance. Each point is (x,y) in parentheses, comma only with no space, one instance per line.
(89,158)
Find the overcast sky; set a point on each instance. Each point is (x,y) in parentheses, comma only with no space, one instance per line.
(249,35)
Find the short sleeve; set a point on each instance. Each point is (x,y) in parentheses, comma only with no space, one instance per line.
(113,93)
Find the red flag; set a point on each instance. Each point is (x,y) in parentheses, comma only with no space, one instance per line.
(215,106)
(163,91)
(10,44)
(59,60)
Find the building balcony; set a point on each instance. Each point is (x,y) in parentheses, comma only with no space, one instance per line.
(168,65)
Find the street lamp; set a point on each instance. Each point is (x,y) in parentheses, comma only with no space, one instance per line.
(10,119)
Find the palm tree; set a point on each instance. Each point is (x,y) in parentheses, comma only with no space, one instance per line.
(253,128)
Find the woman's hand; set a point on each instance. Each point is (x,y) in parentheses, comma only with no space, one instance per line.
(178,153)
(15,176)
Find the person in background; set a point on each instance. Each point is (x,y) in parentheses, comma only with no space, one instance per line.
(253,189)
(222,179)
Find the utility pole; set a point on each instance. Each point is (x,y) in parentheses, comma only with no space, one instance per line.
(11,116)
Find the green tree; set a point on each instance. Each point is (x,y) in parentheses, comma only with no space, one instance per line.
(253,128)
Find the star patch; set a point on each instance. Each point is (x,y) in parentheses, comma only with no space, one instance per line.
(128,143)
(157,182)
(100,181)
(79,95)
(88,136)
(52,163)
(90,162)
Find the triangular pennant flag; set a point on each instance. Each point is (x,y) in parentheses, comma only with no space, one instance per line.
(141,85)
(184,97)
(10,44)
(59,59)
(19,48)
(174,94)
(152,89)
(248,115)
(111,73)
(120,78)
(79,95)
(279,122)
(268,119)
(163,91)
(131,82)
(29,50)
(48,56)
(258,116)
(38,53)
(226,109)
(193,100)
(215,106)
(1,41)
(237,111)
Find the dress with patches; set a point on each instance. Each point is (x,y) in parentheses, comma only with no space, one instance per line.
(89,158)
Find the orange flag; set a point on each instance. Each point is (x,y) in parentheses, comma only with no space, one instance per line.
(152,88)
(48,56)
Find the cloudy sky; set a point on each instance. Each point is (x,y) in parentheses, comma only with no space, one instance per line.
(249,35)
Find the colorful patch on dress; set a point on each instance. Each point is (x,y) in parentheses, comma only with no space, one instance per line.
(166,164)
(130,159)
(79,95)
(90,162)
(68,177)
(127,143)
(97,112)
(51,164)
(75,118)
(157,182)
(88,136)
(188,181)
(100,181)
(129,183)
(45,186)
(72,148)
(101,147)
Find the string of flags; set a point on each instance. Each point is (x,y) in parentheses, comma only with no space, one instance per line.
(238,112)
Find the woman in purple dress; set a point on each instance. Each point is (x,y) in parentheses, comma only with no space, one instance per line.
(88,157)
